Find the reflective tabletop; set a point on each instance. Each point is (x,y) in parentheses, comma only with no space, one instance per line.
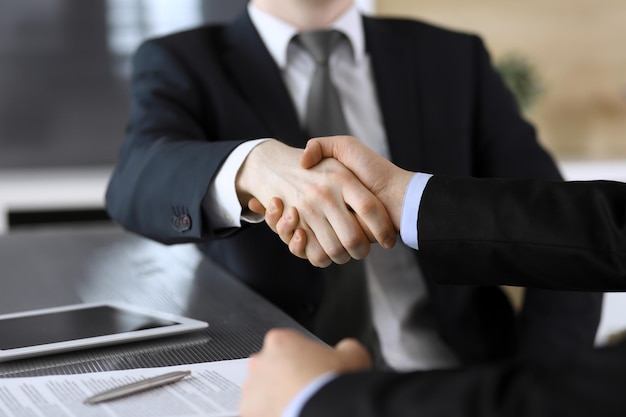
(51,267)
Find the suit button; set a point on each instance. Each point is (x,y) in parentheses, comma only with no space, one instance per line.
(181,223)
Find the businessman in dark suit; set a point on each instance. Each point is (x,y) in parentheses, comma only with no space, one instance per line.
(426,97)
(546,234)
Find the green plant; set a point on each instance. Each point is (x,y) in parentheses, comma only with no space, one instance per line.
(521,78)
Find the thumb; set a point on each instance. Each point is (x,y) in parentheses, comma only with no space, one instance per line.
(354,355)
(327,147)
(313,154)
(255,206)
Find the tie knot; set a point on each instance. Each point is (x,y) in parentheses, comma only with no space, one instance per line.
(320,43)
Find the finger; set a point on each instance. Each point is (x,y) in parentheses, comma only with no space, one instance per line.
(256,206)
(278,337)
(352,227)
(309,248)
(353,242)
(355,355)
(371,214)
(328,231)
(328,147)
(366,230)
(285,227)
(372,217)
(306,244)
(274,213)
(297,244)
(331,220)
(316,254)
(313,154)
(328,217)
(287,224)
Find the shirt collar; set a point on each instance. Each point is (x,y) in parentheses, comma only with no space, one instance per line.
(276,33)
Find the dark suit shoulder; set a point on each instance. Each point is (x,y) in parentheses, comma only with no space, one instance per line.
(191,40)
(412,29)
(193,53)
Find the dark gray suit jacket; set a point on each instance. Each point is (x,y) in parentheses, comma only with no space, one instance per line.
(197,95)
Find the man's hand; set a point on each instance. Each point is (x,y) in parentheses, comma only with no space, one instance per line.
(384,179)
(387,181)
(287,363)
(336,211)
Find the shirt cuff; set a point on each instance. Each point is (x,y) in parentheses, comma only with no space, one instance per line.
(294,408)
(222,202)
(410,209)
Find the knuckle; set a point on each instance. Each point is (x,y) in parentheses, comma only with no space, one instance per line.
(285,231)
(297,252)
(320,260)
(320,194)
(336,251)
(368,206)
(343,260)
(353,242)
(361,252)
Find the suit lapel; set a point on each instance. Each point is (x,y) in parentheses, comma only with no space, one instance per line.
(396,75)
(261,82)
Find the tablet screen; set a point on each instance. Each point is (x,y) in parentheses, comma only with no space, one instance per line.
(58,329)
(73,324)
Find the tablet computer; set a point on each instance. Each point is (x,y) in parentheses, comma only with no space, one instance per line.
(80,326)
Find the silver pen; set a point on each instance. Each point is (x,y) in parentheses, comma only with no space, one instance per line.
(139,386)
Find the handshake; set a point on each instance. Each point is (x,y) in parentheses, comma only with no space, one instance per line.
(342,197)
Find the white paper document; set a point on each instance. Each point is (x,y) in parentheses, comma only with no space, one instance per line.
(212,390)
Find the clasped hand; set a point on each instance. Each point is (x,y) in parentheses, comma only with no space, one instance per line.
(337,216)
(288,362)
(328,202)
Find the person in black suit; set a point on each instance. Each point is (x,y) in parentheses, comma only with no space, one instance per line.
(555,235)
(427,97)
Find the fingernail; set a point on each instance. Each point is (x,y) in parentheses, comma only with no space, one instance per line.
(389,243)
(272,207)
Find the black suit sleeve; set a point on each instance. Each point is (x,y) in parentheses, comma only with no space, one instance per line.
(586,385)
(166,162)
(550,235)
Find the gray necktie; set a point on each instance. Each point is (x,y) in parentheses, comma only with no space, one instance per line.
(324,114)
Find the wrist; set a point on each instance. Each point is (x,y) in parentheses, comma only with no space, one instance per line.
(250,173)
(394,194)
(297,403)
